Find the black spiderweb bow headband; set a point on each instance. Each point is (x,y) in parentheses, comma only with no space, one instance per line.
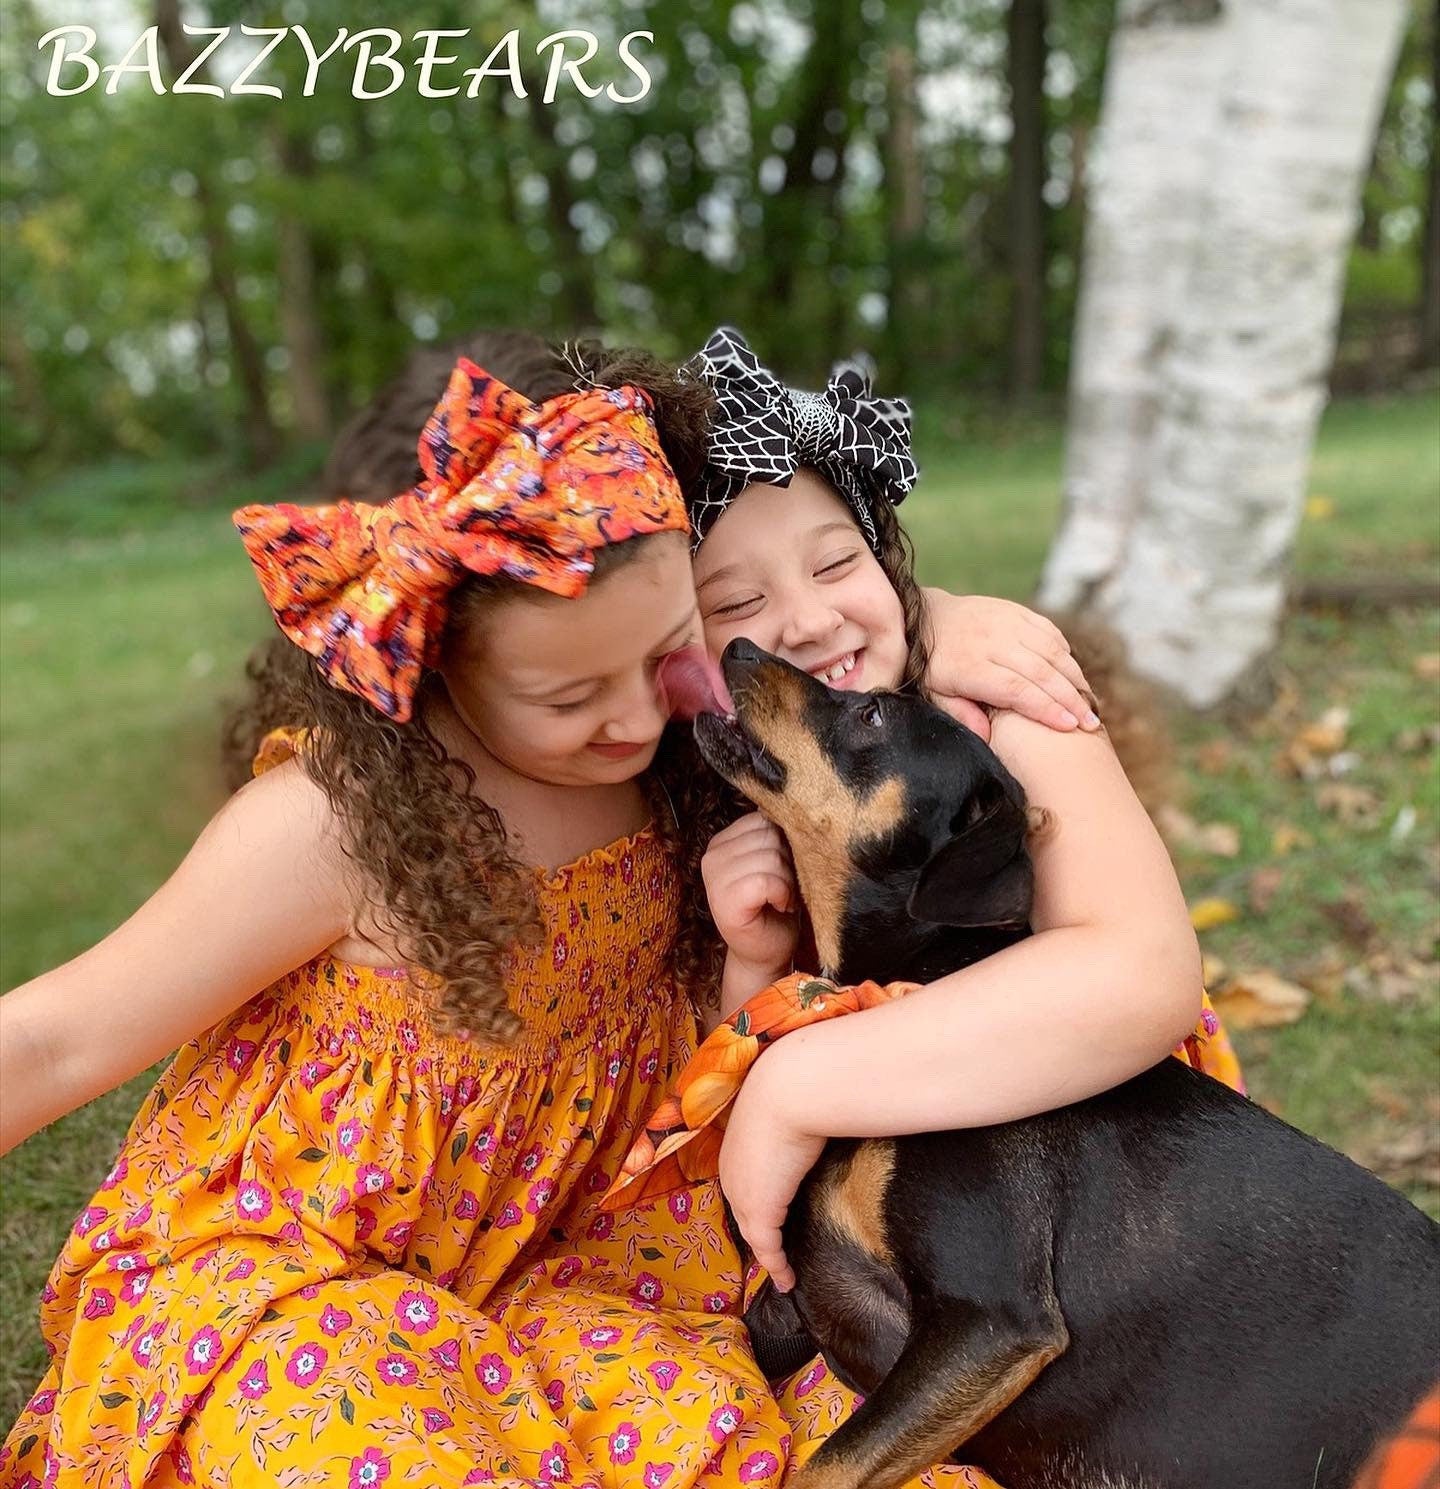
(762,431)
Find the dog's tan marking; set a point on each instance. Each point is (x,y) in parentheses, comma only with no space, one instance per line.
(894,1447)
(822,817)
(855,1202)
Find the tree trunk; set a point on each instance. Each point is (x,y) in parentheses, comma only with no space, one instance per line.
(905,215)
(244,350)
(1199,589)
(1145,173)
(1430,248)
(304,339)
(1025,67)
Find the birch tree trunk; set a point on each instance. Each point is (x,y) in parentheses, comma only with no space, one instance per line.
(1146,171)
(1192,572)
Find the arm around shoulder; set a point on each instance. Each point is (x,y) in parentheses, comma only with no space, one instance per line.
(263,890)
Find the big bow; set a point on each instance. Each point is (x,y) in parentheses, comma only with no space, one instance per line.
(510,488)
(763,431)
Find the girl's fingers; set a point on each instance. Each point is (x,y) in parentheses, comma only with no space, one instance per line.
(1051,645)
(768,891)
(1040,684)
(771,1255)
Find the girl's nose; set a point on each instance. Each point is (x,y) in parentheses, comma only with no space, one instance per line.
(807,621)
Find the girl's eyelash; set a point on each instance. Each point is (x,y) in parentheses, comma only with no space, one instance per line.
(733,607)
(569,707)
(839,563)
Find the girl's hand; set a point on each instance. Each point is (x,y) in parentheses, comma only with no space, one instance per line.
(997,652)
(754,898)
(763,1159)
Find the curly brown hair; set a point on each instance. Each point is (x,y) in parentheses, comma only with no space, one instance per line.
(442,878)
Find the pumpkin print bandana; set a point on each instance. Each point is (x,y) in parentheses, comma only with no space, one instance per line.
(680,1143)
(510,489)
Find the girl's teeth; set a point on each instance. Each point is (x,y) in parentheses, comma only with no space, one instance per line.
(835,673)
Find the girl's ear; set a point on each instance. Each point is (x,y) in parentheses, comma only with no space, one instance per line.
(981,876)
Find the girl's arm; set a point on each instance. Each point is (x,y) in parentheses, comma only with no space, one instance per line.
(999,653)
(1107,986)
(261,892)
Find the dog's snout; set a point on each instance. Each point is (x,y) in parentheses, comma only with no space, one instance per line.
(744,651)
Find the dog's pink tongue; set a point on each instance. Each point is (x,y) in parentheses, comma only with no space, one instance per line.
(691,684)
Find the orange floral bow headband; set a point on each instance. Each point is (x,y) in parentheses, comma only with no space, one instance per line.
(510,488)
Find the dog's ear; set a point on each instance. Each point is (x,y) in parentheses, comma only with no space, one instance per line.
(982,875)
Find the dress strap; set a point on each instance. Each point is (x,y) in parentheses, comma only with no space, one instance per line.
(278,746)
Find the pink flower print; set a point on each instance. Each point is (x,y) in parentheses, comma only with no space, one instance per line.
(42,1403)
(253,1200)
(812,1378)
(587,975)
(657,1475)
(560,952)
(135,1288)
(514,1131)
(717,1302)
(568,1271)
(255,1383)
(509,1215)
(334,1321)
(1209,1022)
(409,1039)
(396,1370)
(203,1350)
(105,1240)
(312,1072)
(348,1135)
(447,1355)
(330,1104)
(434,1419)
(143,1344)
(241,1270)
(680,1205)
(239,1053)
(291,1233)
(724,1422)
(100,1303)
(417,1312)
(306,1364)
(649,1065)
(536,1327)
(370,1178)
(493,1373)
(555,1465)
(116,1174)
(293,1199)
(647,1289)
(541,1193)
(90,1217)
(370,1468)
(529,1160)
(664,1373)
(627,867)
(477,1476)
(759,1468)
(467,1207)
(482,1150)
(364,1222)
(600,1228)
(398,1235)
(555,1394)
(688,1335)
(623,1442)
(129,1261)
(613,1069)
(632,961)
(601,1338)
(150,1414)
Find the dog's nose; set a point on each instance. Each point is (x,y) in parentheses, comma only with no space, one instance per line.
(743,650)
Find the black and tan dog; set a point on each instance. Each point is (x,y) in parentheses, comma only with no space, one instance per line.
(1163,1287)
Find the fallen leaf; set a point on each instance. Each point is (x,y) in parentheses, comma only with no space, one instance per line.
(1259,999)
(1213,757)
(1355,806)
(1392,979)
(1349,916)
(1414,741)
(1327,733)
(1324,974)
(1222,839)
(1205,915)
(1427,665)
(1319,508)
(1212,969)
(1287,837)
(1264,885)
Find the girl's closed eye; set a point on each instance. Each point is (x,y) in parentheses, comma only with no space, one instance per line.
(836,566)
(736,609)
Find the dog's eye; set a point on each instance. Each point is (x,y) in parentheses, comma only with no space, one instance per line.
(872,715)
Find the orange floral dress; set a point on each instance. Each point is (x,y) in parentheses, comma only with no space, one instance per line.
(339,1248)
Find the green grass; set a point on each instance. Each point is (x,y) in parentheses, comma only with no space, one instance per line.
(122,627)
